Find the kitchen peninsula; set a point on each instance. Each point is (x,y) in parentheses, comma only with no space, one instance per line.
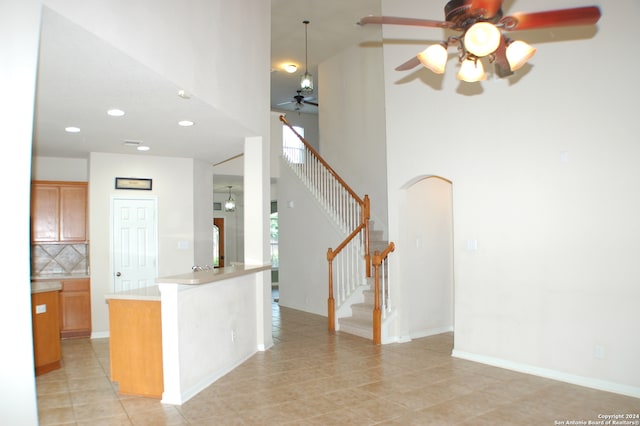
(174,339)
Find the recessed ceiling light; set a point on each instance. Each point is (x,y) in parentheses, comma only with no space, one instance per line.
(184,94)
(115,112)
(291,68)
(72,129)
(185,123)
(143,148)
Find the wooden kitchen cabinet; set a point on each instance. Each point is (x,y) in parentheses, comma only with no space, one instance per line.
(75,308)
(58,211)
(46,332)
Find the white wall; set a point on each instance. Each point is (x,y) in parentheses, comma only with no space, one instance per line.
(174,188)
(554,281)
(305,233)
(352,123)
(208,330)
(19,33)
(203,213)
(62,169)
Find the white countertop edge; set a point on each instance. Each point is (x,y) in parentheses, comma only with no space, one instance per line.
(219,274)
(59,277)
(151,293)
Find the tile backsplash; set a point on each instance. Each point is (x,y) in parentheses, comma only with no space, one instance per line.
(48,259)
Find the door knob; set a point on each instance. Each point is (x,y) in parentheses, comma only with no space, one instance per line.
(118,274)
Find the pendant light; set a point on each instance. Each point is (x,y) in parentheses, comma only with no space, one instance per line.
(306,81)
(230,204)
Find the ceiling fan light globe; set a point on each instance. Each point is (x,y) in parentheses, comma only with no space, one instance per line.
(434,57)
(482,39)
(471,71)
(519,53)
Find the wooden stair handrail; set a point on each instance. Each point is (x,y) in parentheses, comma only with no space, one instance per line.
(322,160)
(378,258)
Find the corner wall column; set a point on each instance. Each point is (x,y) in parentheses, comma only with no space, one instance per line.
(257,209)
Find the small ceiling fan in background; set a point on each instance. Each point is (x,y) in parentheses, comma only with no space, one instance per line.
(300,101)
(481,23)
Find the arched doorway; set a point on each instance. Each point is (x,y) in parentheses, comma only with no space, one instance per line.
(429,237)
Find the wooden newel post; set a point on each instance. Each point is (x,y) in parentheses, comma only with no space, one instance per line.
(377,312)
(366,218)
(331,303)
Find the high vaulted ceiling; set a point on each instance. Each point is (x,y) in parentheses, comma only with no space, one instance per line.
(80,76)
(332,27)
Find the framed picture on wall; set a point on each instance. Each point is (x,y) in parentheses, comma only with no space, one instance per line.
(133,183)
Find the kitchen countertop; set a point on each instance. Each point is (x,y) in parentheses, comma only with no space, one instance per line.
(218,274)
(43,287)
(58,277)
(152,293)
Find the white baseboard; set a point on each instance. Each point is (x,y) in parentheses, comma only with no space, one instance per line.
(588,382)
(100,335)
(431,332)
(179,397)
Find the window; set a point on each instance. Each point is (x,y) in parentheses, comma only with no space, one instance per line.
(292,146)
(216,246)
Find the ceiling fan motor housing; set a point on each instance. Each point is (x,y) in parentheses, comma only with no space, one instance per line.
(462,15)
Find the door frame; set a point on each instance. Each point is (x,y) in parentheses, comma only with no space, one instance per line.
(219,222)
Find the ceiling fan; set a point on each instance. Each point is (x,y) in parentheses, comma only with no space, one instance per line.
(299,101)
(481,23)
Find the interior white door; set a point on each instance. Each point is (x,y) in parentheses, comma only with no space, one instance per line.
(134,243)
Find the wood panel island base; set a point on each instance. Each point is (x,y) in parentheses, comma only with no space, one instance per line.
(172,340)
(135,341)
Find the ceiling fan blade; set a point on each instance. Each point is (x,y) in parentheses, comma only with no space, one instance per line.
(491,7)
(285,103)
(410,64)
(501,64)
(588,15)
(392,20)
(310,103)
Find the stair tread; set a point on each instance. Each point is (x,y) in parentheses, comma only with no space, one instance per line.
(358,322)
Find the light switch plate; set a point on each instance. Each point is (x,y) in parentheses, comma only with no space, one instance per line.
(41,309)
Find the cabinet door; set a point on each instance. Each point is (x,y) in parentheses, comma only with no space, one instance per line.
(46,332)
(44,212)
(73,213)
(75,308)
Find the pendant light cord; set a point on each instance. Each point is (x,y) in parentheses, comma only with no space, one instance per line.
(306,57)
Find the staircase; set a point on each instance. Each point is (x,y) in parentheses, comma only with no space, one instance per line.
(361,302)
(360,323)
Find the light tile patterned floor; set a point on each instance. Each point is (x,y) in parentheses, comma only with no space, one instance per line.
(312,378)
